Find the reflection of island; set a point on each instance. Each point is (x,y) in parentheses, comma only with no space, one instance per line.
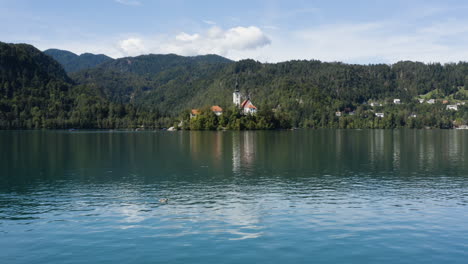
(243,150)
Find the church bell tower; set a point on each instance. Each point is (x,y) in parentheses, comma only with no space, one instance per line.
(236,96)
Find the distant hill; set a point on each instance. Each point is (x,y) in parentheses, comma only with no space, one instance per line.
(73,63)
(154,63)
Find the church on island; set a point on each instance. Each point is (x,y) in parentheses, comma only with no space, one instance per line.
(246,105)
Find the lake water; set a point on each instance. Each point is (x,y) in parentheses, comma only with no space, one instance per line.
(308,196)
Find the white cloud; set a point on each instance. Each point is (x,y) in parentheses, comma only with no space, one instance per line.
(209,22)
(187,37)
(218,41)
(214,40)
(129,2)
(377,42)
(132,46)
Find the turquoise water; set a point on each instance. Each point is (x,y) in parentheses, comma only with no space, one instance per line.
(312,196)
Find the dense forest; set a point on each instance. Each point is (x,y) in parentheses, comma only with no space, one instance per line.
(35,92)
(73,63)
(155,91)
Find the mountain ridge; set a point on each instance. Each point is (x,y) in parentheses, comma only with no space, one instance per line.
(72,62)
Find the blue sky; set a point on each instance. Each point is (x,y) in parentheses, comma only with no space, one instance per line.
(270,31)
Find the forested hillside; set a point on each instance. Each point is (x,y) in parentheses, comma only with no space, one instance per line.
(35,92)
(307,93)
(155,81)
(73,63)
(158,90)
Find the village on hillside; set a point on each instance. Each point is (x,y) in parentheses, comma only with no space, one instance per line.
(376,104)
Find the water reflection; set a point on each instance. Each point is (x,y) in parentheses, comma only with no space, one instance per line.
(243,151)
(247,192)
(147,157)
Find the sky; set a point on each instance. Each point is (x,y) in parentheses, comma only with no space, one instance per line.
(358,31)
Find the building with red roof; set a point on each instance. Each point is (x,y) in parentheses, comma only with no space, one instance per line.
(217,110)
(248,108)
(194,113)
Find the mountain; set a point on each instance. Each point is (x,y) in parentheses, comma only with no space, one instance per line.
(155,63)
(36,92)
(32,85)
(143,79)
(25,71)
(73,63)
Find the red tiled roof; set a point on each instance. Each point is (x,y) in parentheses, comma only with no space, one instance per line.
(243,103)
(248,104)
(195,112)
(216,108)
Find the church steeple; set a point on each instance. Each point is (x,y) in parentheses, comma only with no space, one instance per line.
(236,96)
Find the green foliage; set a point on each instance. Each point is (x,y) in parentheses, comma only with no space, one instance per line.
(232,119)
(73,63)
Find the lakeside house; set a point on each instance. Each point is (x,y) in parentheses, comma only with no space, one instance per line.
(381,115)
(194,113)
(452,107)
(338,114)
(421,101)
(445,102)
(217,110)
(396,101)
(431,101)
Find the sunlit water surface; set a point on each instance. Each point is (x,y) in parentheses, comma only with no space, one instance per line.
(312,196)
